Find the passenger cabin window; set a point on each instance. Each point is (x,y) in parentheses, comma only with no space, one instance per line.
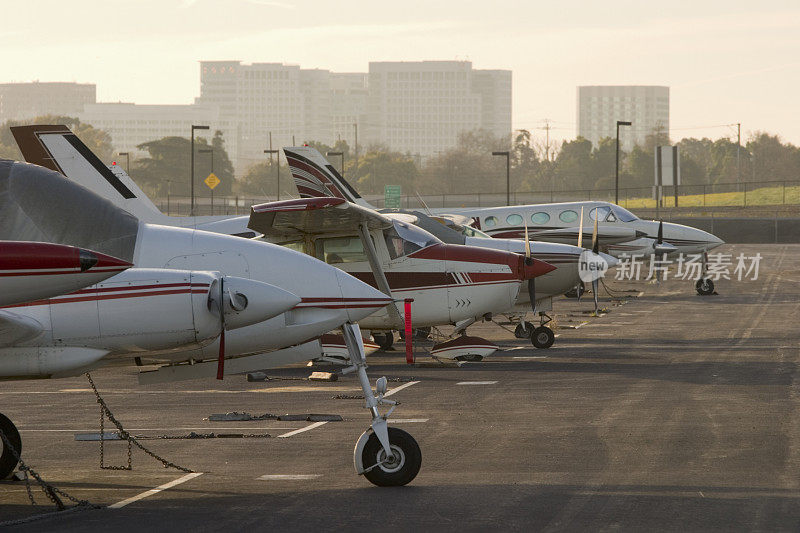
(514,220)
(568,216)
(540,218)
(490,221)
(340,250)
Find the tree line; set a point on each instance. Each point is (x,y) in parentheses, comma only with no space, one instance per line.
(467,168)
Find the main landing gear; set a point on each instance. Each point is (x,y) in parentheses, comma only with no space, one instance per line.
(387,457)
(541,337)
(10,446)
(384,340)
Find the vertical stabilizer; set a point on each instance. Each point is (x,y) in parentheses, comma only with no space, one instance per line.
(315,177)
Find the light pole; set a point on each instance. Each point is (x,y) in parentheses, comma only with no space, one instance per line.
(127,162)
(278,155)
(340,154)
(210,151)
(191,178)
(616,168)
(508,174)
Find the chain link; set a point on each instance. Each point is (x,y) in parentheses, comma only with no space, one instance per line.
(123,434)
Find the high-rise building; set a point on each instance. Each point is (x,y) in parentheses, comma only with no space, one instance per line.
(349,95)
(601,106)
(421,107)
(19,101)
(130,125)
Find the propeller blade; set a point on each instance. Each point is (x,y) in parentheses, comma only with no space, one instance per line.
(221,359)
(532,293)
(660,239)
(580,231)
(595,240)
(527,245)
(595,285)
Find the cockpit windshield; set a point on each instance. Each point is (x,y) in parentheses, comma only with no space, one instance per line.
(472,232)
(623,214)
(403,239)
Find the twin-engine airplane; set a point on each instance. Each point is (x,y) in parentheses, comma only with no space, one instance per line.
(619,231)
(71,333)
(449,284)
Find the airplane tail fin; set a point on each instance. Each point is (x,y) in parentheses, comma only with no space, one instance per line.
(315,177)
(57,148)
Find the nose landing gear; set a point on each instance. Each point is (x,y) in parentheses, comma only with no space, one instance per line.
(387,457)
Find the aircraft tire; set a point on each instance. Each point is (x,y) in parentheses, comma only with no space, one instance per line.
(524,330)
(384,340)
(399,472)
(8,460)
(704,287)
(543,337)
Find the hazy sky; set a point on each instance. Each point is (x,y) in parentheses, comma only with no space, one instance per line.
(725,61)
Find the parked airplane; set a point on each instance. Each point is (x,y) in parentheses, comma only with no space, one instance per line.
(65,213)
(620,231)
(433,278)
(311,170)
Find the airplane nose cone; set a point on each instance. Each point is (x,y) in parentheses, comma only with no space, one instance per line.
(640,234)
(610,259)
(360,299)
(249,301)
(535,269)
(95,261)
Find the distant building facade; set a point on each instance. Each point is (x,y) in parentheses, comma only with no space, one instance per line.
(130,125)
(20,101)
(601,106)
(421,107)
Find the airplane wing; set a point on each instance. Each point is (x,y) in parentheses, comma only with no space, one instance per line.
(16,328)
(291,220)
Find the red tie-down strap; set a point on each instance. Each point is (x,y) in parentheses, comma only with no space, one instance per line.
(409,347)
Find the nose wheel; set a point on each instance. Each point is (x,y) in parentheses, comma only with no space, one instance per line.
(704,287)
(10,445)
(394,471)
(543,337)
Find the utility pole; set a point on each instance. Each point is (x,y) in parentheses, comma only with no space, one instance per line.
(191,177)
(616,171)
(547,143)
(355,170)
(738,148)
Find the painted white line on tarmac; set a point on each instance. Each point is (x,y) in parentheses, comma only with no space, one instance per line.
(528,357)
(215,428)
(288,477)
(408,420)
(296,431)
(401,387)
(476,383)
(156,490)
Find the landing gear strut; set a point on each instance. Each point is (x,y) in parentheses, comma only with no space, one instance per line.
(8,457)
(387,457)
(704,286)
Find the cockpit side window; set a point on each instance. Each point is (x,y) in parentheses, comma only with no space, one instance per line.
(403,239)
(623,214)
(599,213)
(472,232)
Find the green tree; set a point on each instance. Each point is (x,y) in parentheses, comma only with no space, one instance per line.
(378,168)
(259,181)
(573,165)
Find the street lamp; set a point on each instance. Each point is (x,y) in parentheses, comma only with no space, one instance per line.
(278,155)
(210,151)
(616,170)
(191,178)
(340,154)
(508,175)
(127,162)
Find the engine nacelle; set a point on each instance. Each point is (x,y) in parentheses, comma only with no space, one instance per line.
(48,361)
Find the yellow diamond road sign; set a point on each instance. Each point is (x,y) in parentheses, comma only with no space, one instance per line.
(212,181)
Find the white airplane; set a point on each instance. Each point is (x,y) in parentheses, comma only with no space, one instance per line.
(40,205)
(438,278)
(36,270)
(315,177)
(620,232)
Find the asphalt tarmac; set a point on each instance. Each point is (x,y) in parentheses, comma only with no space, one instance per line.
(671,412)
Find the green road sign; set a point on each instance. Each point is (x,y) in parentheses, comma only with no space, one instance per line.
(391,196)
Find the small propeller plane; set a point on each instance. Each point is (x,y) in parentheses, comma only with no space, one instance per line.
(437,277)
(329,298)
